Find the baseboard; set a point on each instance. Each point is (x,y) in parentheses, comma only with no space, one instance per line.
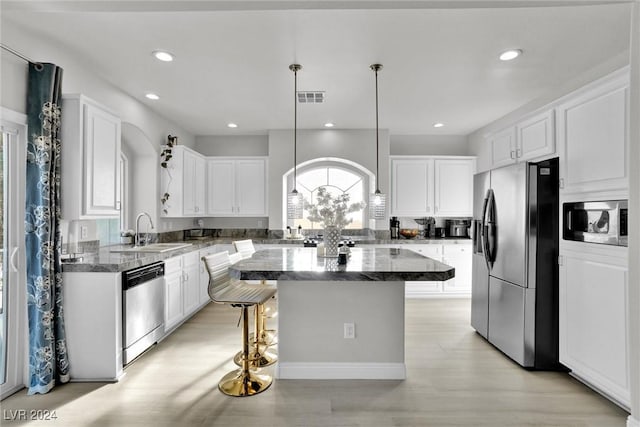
(341,371)
(632,422)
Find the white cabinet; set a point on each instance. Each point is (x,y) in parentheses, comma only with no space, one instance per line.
(411,187)
(90,159)
(503,145)
(184,180)
(458,256)
(237,187)
(531,138)
(194,190)
(453,194)
(593,136)
(182,276)
(190,283)
(173,308)
(429,186)
(93,324)
(593,320)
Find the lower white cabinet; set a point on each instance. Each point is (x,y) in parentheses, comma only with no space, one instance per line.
(593,320)
(93,325)
(190,282)
(172,292)
(457,255)
(182,288)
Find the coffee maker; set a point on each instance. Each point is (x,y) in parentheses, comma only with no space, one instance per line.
(394,226)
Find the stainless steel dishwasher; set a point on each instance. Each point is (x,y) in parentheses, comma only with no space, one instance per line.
(143,309)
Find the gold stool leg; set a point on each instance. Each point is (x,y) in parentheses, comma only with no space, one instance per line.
(242,382)
(266,337)
(258,357)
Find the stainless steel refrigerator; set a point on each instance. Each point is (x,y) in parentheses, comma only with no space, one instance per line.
(514,300)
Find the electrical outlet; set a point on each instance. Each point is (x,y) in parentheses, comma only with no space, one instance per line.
(349,330)
(84,231)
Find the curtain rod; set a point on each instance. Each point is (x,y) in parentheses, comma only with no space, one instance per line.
(16,53)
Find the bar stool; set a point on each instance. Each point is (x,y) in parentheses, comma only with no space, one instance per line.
(266,337)
(222,289)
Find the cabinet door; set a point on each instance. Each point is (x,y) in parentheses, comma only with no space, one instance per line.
(593,322)
(193,184)
(453,187)
(459,257)
(251,191)
(101,161)
(173,299)
(221,187)
(412,188)
(593,135)
(190,283)
(536,136)
(424,289)
(503,147)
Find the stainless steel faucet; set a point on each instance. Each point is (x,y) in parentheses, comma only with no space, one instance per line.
(140,215)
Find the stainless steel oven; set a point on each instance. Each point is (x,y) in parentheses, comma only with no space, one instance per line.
(603,222)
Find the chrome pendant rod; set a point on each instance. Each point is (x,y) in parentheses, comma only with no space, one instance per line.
(295,68)
(376,68)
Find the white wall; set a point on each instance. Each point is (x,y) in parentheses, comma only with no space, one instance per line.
(78,79)
(429,145)
(233,145)
(356,145)
(477,145)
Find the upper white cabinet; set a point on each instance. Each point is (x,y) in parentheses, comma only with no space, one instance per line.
(237,186)
(90,159)
(453,190)
(593,136)
(428,186)
(412,187)
(530,138)
(184,180)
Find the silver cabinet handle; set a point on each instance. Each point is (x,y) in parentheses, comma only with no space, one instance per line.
(518,153)
(512,154)
(12,260)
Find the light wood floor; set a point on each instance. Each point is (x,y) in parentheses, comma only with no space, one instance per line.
(455,378)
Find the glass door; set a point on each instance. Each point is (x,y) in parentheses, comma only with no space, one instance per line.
(12,272)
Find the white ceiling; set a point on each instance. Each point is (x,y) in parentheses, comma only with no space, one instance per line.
(440,65)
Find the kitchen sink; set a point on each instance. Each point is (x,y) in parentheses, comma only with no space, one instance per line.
(153,247)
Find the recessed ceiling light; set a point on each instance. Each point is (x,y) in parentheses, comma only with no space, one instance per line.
(508,55)
(152,96)
(438,125)
(329,125)
(163,56)
(232,125)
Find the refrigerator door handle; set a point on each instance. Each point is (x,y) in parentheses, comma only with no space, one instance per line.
(483,229)
(489,230)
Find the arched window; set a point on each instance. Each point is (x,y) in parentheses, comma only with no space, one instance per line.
(337,178)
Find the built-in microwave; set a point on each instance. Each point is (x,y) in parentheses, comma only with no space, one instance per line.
(602,222)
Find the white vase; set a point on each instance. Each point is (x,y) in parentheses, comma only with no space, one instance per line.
(331,239)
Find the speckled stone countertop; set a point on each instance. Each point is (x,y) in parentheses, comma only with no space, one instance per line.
(364,264)
(106,261)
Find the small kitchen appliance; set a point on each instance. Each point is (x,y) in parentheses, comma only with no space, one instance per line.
(394,225)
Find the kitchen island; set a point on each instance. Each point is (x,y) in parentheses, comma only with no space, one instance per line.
(341,321)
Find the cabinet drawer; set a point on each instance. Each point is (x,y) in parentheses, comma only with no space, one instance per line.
(431,251)
(456,250)
(172,265)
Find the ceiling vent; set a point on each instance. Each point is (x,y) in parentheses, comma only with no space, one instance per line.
(311,97)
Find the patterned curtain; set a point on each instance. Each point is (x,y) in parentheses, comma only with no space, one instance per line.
(48,360)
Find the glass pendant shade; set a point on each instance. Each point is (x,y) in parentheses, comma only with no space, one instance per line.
(295,204)
(377,205)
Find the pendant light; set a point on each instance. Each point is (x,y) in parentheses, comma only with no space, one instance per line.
(294,199)
(377,200)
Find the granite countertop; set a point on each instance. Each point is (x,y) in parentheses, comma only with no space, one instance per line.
(106,261)
(364,264)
